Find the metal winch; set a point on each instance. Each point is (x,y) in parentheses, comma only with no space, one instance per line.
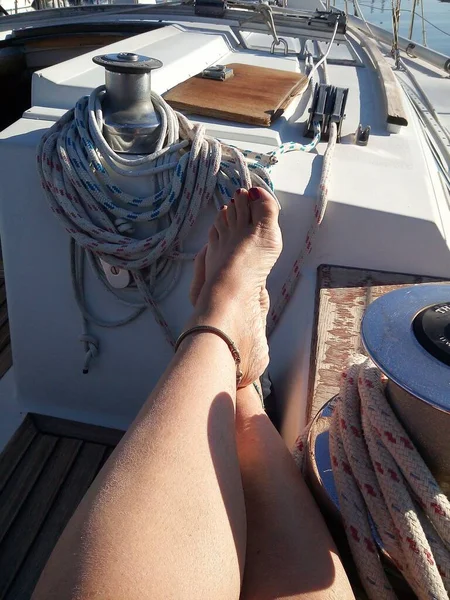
(131,124)
(406,333)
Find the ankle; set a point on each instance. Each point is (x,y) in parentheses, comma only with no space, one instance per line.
(221,313)
(248,404)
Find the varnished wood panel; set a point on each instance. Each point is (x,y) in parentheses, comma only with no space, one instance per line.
(4,335)
(44,474)
(83,471)
(27,524)
(253,95)
(87,41)
(342,296)
(5,341)
(394,103)
(3,314)
(15,449)
(2,290)
(80,431)
(5,359)
(21,483)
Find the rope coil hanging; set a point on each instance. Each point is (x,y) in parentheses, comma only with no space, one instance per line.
(383,483)
(187,171)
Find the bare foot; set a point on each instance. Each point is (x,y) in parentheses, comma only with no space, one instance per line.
(228,289)
(199,275)
(198,281)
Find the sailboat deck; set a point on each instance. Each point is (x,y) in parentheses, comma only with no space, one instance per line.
(50,463)
(44,472)
(5,342)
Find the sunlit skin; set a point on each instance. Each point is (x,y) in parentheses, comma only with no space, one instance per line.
(201,499)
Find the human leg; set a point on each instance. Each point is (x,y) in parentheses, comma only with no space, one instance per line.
(290,554)
(165,517)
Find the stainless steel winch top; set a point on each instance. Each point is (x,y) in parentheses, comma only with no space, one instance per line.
(407,334)
(131,124)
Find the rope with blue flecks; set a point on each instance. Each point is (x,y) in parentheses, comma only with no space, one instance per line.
(187,171)
(383,481)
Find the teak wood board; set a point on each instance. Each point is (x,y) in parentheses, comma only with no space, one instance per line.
(45,470)
(253,95)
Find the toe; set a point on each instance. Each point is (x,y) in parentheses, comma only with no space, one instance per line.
(242,208)
(199,275)
(231,214)
(221,221)
(264,209)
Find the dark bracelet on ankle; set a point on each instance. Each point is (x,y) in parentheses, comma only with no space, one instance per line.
(229,342)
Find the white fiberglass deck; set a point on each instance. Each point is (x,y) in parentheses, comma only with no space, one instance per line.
(387,211)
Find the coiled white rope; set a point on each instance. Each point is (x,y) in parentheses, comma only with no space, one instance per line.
(187,171)
(383,483)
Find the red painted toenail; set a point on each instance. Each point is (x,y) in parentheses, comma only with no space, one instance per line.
(223,207)
(232,200)
(254,193)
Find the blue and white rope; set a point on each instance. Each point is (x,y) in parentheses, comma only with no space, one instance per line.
(187,171)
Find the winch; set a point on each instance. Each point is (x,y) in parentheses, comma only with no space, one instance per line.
(406,334)
(130,123)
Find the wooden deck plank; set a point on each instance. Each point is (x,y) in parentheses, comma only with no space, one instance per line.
(34,510)
(343,294)
(4,335)
(18,487)
(80,431)
(5,339)
(15,449)
(80,477)
(5,359)
(109,450)
(27,524)
(3,314)
(2,291)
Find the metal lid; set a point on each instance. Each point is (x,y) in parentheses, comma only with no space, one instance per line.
(432,329)
(127,62)
(407,335)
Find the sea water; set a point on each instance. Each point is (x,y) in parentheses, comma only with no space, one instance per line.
(436,12)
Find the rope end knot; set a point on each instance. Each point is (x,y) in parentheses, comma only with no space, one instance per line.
(91,346)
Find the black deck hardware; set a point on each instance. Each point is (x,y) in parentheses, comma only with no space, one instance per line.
(218,72)
(329,18)
(362,135)
(432,329)
(210,8)
(328,106)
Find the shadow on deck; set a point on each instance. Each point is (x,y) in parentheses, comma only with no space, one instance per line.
(5,341)
(45,470)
